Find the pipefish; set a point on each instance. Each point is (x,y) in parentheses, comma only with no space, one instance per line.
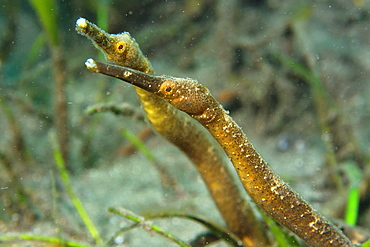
(266,188)
(184,133)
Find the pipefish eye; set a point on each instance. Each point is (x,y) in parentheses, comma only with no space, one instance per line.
(167,87)
(121,46)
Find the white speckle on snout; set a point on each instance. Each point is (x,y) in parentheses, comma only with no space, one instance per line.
(127,73)
(81,23)
(90,64)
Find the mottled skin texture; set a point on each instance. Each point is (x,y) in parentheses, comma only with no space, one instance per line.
(268,191)
(183,132)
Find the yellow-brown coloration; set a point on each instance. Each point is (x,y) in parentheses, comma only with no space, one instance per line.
(268,191)
(121,49)
(177,96)
(182,131)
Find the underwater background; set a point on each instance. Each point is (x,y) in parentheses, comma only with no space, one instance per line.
(293,74)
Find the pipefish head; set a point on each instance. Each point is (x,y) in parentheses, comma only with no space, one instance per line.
(186,95)
(119,48)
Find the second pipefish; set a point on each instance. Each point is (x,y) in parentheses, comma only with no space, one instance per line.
(266,189)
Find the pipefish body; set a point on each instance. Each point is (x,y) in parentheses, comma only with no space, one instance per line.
(266,188)
(184,133)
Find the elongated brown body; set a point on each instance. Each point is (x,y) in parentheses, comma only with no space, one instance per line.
(268,191)
(183,132)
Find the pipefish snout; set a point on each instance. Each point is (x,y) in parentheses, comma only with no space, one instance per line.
(186,95)
(268,191)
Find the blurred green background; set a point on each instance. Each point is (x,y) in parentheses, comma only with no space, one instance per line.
(294,75)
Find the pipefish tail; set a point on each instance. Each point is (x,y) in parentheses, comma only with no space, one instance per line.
(266,188)
(179,129)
